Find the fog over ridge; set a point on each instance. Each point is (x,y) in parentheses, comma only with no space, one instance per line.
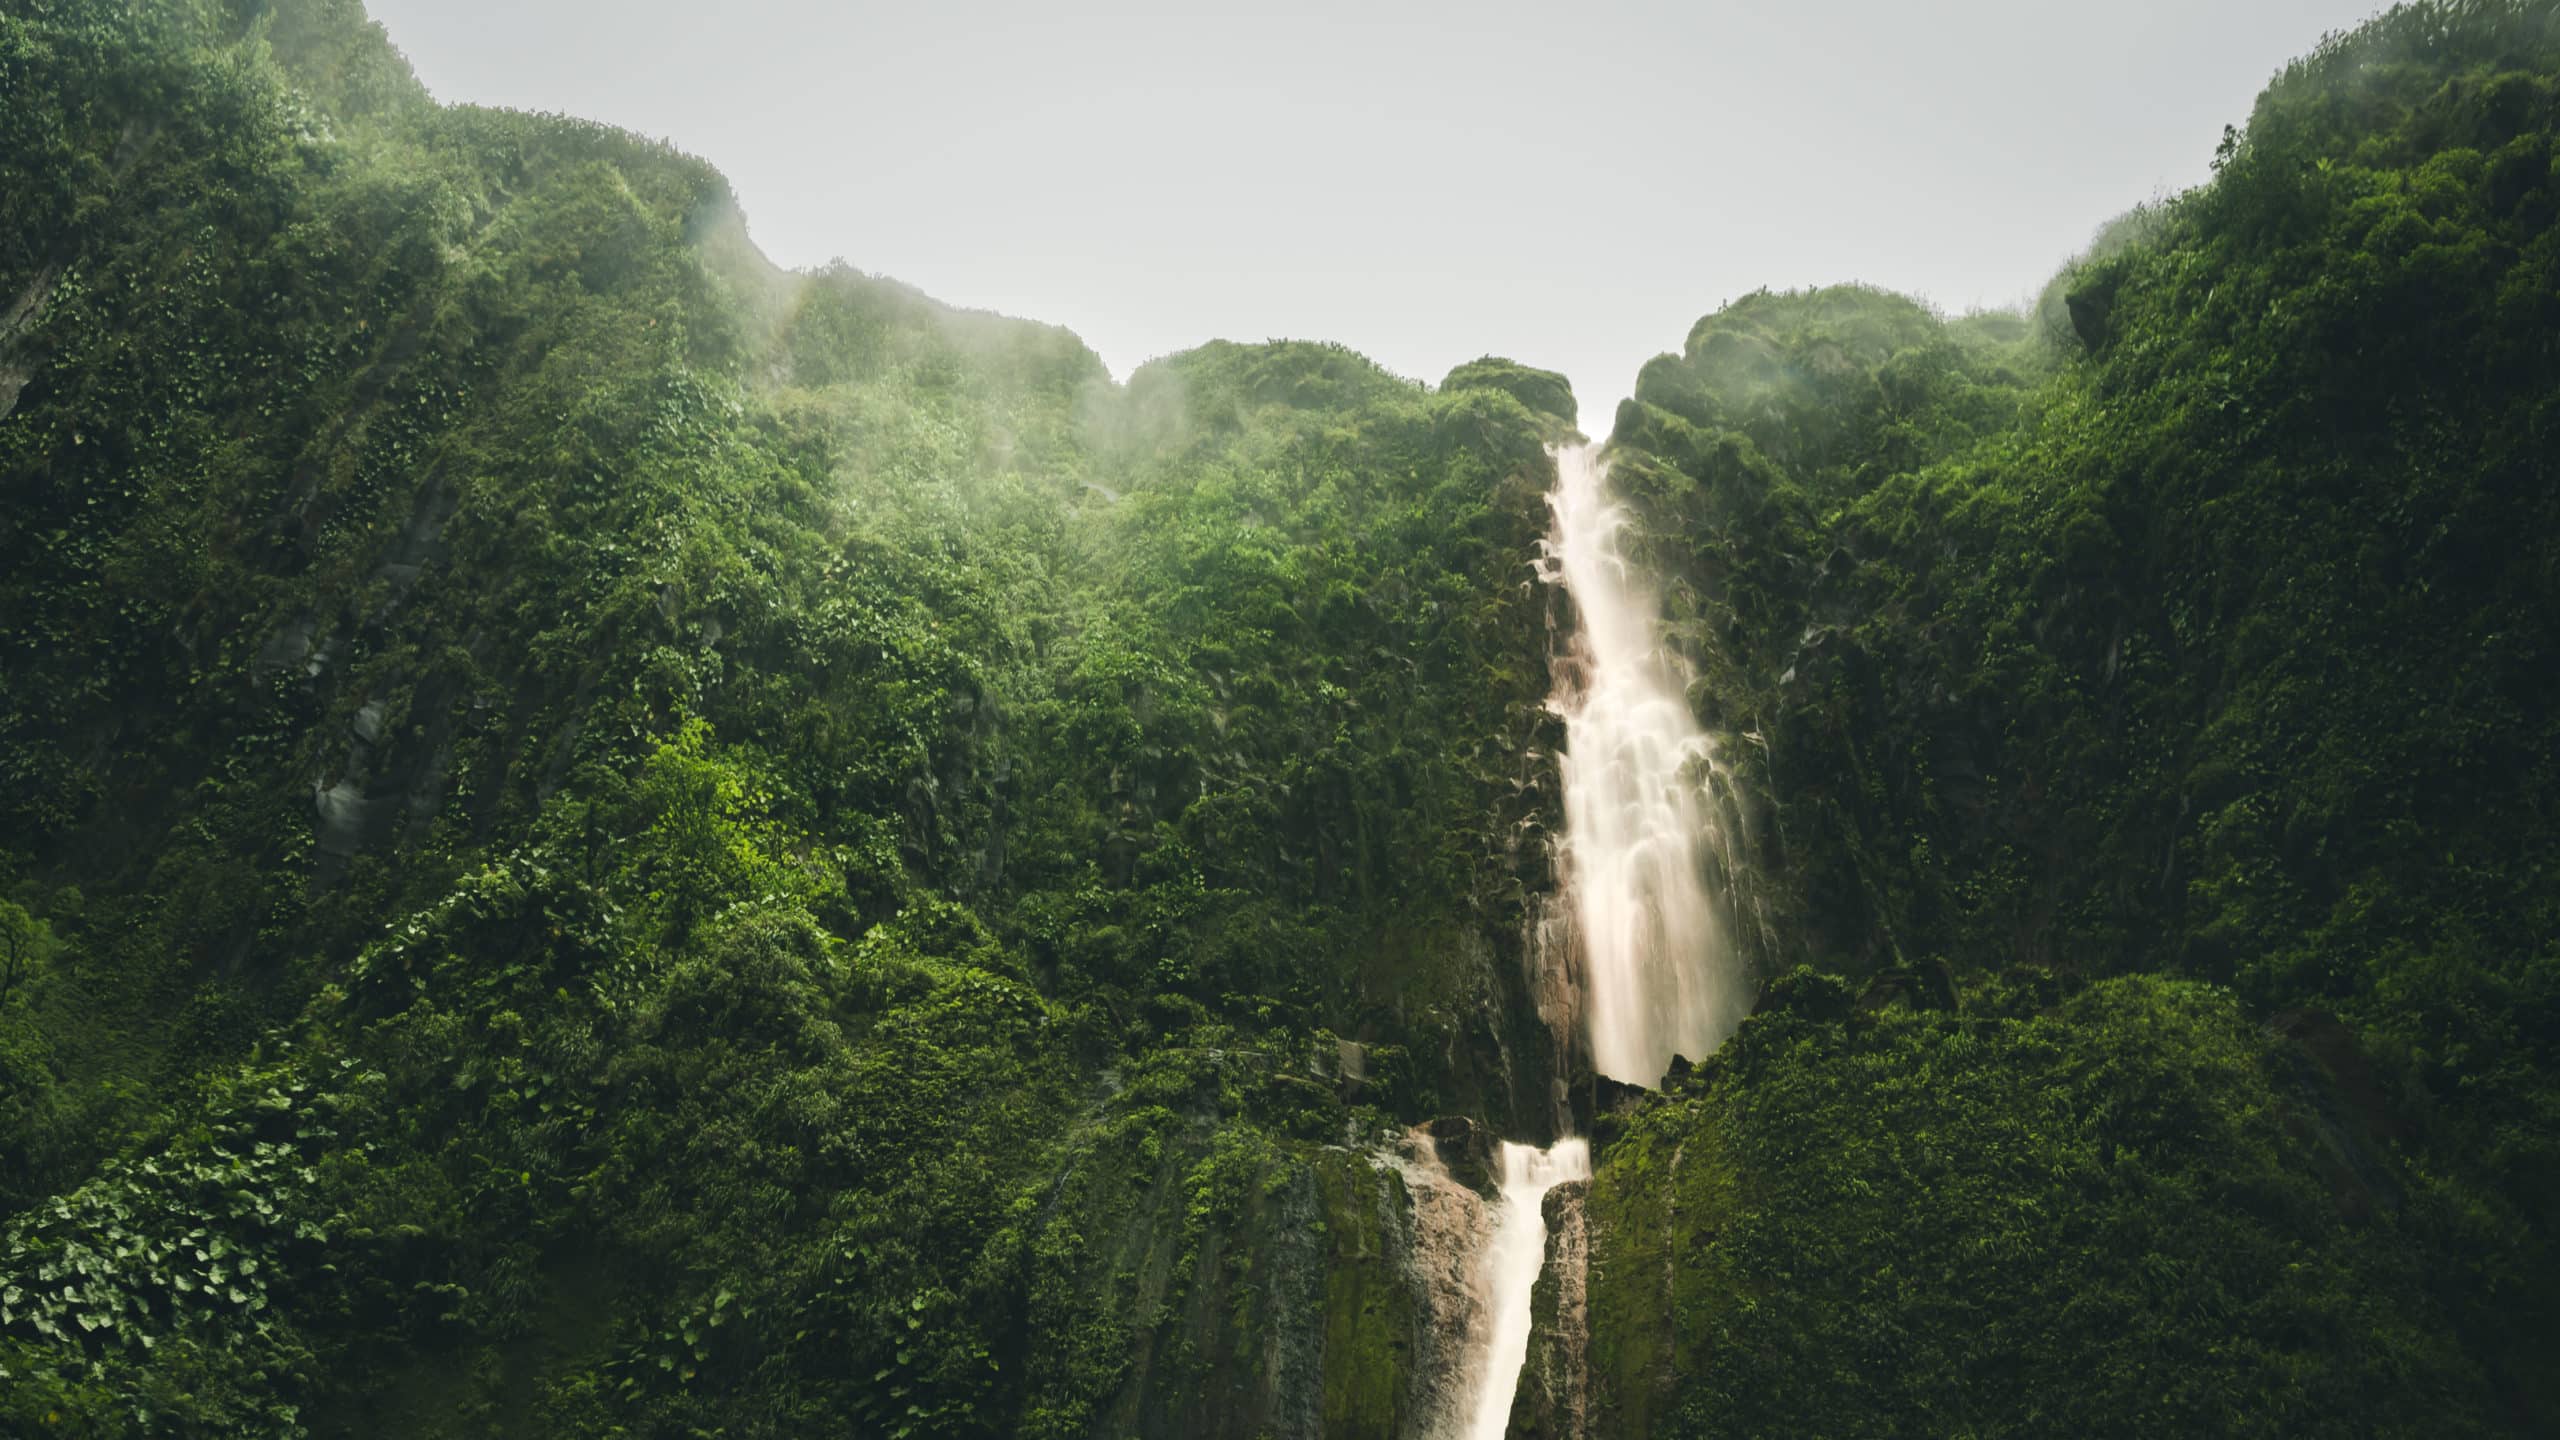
(1425,183)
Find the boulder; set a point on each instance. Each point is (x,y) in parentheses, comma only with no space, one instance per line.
(1465,1151)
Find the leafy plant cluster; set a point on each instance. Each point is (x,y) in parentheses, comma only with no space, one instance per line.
(2092,1218)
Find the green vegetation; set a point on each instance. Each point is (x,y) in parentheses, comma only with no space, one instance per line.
(2204,627)
(599,838)
(2130,1214)
(664,846)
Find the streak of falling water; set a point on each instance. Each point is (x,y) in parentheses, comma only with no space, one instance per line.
(1641,957)
(1509,1265)
(1660,975)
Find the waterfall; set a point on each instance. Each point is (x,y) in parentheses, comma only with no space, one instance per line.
(1510,1264)
(1659,974)
(1633,957)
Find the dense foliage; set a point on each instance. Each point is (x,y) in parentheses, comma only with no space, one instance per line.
(602,837)
(596,837)
(2205,626)
(2132,1213)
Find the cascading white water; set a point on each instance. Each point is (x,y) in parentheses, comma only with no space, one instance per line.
(1659,975)
(1656,975)
(1509,1266)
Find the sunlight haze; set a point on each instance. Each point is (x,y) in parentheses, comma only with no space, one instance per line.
(1423,182)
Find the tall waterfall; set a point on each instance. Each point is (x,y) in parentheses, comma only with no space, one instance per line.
(1642,963)
(1659,975)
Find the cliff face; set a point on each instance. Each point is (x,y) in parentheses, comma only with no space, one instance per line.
(599,836)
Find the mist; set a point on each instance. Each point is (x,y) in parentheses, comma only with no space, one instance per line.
(1425,182)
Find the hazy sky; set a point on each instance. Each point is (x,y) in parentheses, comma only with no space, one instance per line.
(1570,185)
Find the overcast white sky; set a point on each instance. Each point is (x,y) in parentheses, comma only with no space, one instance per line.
(1568,184)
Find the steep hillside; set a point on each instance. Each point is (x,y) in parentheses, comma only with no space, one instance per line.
(610,837)
(597,837)
(2206,630)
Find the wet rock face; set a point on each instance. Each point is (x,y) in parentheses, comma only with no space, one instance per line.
(1612,1096)
(343,811)
(1374,1337)
(2092,308)
(1353,1059)
(1552,1402)
(1446,1226)
(1334,1296)
(1465,1150)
